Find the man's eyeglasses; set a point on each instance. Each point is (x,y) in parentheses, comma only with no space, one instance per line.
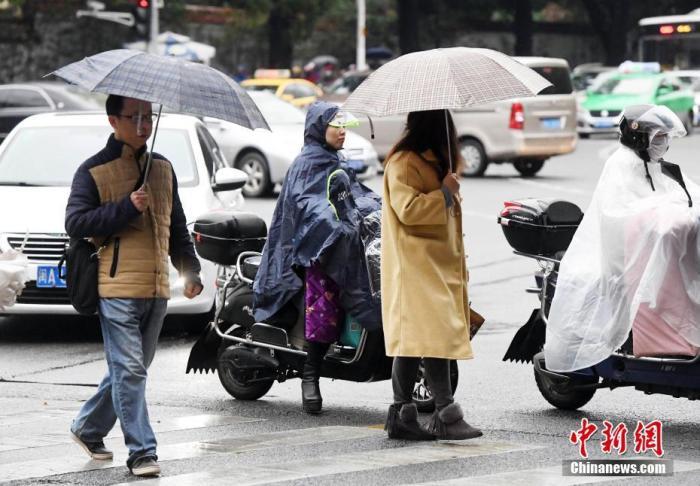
(145,118)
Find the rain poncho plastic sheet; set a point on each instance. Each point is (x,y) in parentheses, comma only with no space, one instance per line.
(371,234)
(14,274)
(317,219)
(633,246)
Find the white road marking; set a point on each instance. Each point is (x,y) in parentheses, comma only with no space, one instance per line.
(75,460)
(348,463)
(546,476)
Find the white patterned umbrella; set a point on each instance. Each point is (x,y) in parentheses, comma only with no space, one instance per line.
(450,78)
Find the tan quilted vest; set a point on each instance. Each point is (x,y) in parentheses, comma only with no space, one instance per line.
(135,263)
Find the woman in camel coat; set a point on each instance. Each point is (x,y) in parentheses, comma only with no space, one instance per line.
(425,308)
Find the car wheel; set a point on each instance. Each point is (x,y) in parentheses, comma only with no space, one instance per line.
(528,167)
(255,166)
(475,161)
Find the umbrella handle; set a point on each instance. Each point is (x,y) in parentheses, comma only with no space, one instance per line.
(449,148)
(147,171)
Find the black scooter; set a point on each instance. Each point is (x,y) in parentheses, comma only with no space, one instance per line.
(250,356)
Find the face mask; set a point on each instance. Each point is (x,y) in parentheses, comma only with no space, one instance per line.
(658,147)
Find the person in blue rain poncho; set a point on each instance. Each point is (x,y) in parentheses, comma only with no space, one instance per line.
(316,224)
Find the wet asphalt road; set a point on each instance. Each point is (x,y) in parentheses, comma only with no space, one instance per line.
(49,365)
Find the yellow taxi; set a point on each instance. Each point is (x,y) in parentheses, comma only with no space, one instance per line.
(296,91)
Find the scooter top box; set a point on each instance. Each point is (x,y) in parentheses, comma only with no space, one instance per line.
(539,226)
(220,236)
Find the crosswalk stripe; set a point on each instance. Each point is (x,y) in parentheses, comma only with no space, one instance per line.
(546,476)
(55,428)
(350,463)
(77,461)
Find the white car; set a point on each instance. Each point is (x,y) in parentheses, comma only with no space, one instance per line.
(265,156)
(37,163)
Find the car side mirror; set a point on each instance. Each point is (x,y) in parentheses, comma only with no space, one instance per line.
(287,97)
(663,90)
(229,179)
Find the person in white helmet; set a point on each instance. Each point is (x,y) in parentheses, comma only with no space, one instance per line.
(635,256)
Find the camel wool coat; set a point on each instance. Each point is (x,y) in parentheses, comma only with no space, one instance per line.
(425,308)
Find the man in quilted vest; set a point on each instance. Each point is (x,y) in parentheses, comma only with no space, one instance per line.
(144,228)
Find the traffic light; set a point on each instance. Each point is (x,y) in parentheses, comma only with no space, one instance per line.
(142,19)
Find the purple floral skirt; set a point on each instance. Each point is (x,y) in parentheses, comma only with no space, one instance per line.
(324,316)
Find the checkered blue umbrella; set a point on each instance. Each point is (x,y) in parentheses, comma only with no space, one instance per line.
(181,86)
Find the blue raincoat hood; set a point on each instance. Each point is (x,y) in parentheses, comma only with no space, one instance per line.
(317,219)
(318,117)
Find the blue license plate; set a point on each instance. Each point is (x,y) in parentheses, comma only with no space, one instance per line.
(551,123)
(47,277)
(603,124)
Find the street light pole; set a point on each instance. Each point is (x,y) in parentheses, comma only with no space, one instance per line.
(153,41)
(360,61)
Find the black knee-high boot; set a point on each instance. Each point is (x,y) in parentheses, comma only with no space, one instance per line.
(310,392)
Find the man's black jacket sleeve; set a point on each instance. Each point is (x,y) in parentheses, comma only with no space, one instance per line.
(86,216)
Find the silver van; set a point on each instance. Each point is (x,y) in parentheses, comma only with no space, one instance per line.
(524,131)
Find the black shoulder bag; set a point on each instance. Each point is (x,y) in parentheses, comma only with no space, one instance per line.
(82,259)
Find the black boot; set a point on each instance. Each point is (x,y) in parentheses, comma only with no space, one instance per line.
(311,399)
(403,423)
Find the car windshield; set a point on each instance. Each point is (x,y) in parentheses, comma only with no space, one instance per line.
(626,86)
(558,76)
(693,81)
(49,156)
(261,87)
(278,112)
(69,98)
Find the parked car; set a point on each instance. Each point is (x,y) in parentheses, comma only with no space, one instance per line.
(604,102)
(37,163)
(692,79)
(265,156)
(296,91)
(524,131)
(341,88)
(18,101)
(583,75)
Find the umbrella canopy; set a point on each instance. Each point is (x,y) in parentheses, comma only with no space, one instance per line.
(182,86)
(451,78)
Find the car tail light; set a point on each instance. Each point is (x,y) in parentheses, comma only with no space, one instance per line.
(517,116)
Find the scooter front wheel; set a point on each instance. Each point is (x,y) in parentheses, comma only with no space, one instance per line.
(422,396)
(242,384)
(571,400)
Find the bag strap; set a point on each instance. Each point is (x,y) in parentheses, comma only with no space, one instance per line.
(674,172)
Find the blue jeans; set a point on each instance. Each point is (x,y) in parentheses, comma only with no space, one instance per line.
(130,329)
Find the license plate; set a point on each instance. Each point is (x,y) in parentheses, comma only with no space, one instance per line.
(47,277)
(551,123)
(603,124)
